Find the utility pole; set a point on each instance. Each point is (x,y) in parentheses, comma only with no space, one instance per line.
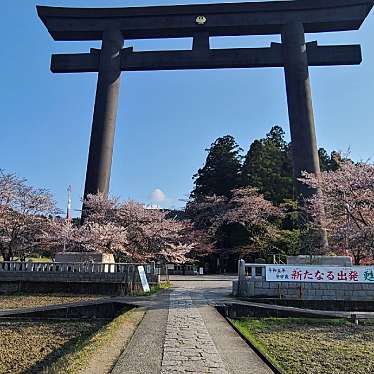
(68,210)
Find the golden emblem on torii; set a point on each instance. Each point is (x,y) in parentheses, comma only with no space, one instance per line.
(200,20)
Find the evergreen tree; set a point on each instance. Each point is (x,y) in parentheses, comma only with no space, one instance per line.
(329,163)
(324,159)
(335,159)
(268,167)
(221,172)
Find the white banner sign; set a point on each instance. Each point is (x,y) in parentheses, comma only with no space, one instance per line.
(143,279)
(322,274)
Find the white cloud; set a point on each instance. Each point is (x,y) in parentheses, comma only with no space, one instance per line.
(157,196)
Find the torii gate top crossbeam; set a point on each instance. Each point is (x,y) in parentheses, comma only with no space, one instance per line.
(220,19)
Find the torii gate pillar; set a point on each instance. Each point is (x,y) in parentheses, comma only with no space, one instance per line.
(300,105)
(105,112)
(301,117)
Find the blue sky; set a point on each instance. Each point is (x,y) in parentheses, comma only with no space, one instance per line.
(165,119)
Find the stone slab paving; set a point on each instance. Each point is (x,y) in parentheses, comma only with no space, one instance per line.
(188,347)
(238,357)
(143,354)
(185,334)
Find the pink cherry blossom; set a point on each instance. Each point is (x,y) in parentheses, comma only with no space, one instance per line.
(347,197)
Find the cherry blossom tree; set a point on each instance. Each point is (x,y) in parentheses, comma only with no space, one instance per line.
(206,211)
(347,196)
(247,210)
(251,211)
(91,237)
(24,216)
(130,231)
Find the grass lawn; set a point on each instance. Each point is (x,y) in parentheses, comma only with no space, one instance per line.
(313,346)
(30,300)
(100,351)
(154,289)
(24,345)
(65,347)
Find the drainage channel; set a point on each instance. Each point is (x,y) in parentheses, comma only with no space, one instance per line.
(85,310)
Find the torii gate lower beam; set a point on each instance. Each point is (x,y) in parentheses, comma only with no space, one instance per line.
(211,59)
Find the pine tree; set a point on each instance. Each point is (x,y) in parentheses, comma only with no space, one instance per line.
(268,167)
(221,172)
(329,163)
(324,159)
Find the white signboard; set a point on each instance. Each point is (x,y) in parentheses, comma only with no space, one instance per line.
(321,274)
(143,279)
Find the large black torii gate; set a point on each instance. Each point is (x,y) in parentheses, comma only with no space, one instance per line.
(291,19)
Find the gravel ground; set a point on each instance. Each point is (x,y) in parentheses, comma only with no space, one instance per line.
(29,301)
(314,346)
(24,344)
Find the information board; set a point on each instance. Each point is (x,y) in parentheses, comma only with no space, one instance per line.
(322,274)
(143,279)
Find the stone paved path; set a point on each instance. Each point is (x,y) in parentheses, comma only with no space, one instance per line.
(182,332)
(188,347)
